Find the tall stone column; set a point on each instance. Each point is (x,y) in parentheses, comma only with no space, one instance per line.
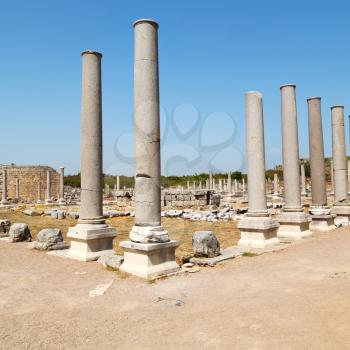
(303,179)
(229,183)
(39,193)
(149,253)
(243,186)
(207,186)
(61,199)
(341,205)
(188,185)
(322,220)
(17,189)
(211,185)
(332,177)
(118,183)
(294,224)
(48,188)
(348,176)
(91,237)
(4,200)
(220,186)
(275,184)
(194,185)
(258,229)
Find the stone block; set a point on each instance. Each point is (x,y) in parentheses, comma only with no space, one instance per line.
(258,232)
(293,226)
(149,260)
(90,241)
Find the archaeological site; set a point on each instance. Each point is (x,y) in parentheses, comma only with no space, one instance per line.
(156,223)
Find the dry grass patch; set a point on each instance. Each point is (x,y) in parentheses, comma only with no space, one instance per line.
(179,229)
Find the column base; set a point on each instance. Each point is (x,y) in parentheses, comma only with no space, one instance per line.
(90,241)
(149,234)
(259,232)
(322,219)
(342,213)
(293,226)
(149,260)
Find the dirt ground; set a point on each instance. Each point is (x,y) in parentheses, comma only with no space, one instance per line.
(297,298)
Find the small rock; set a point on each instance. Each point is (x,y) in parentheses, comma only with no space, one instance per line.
(187,265)
(20,232)
(113,261)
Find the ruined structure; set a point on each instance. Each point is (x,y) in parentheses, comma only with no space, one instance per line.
(26,180)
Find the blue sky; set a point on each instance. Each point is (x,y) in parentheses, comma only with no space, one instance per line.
(211,53)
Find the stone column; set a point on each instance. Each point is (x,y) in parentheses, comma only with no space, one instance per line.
(229,183)
(207,186)
(235,183)
(332,177)
(220,186)
(211,186)
(91,237)
(4,200)
(258,229)
(149,253)
(194,185)
(275,184)
(188,185)
(17,189)
(48,188)
(322,220)
(348,176)
(118,183)
(243,185)
(39,193)
(303,179)
(61,199)
(341,205)
(294,224)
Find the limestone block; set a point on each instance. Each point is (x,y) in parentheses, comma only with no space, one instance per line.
(205,244)
(50,239)
(150,261)
(5,225)
(19,232)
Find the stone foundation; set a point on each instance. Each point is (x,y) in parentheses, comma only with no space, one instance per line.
(150,260)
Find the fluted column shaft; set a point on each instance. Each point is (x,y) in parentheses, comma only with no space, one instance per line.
(303,179)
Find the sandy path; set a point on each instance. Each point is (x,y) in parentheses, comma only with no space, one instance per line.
(297,298)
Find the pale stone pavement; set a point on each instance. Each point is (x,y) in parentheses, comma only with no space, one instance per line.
(297,298)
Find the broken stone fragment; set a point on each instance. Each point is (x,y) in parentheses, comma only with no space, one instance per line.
(50,239)
(20,232)
(205,244)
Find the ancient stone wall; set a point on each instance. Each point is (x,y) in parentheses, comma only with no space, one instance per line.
(173,199)
(29,177)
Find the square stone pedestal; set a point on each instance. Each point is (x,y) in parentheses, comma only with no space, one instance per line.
(259,232)
(149,260)
(293,226)
(89,241)
(322,223)
(342,213)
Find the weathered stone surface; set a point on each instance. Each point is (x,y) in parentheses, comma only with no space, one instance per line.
(20,232)
(205,244)
(5,225)
(225,254)
(111,260)
(50,239)
(31,212)
(58,214)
